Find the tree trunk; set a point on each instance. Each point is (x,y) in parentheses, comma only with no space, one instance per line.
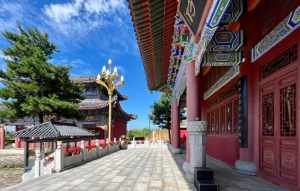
(41,118)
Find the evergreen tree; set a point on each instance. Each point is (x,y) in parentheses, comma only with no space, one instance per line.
(161,112)
(32,85)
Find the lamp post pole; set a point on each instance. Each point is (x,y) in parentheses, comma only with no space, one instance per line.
(111,81)
(109,114)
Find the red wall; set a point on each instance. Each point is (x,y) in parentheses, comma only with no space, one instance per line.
(223,147)
(119,129)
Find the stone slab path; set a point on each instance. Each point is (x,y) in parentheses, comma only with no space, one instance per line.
(137,169)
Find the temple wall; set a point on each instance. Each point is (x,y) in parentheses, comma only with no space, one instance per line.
(119,129)
(222,135)
(223,147)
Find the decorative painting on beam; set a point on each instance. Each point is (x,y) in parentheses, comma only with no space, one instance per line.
(282,30)
(182,50)
(191,11)
(219,14)
(180,83)
(233,12)
(227,41)
(222,58)
(231,74)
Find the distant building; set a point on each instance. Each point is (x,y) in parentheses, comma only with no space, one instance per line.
(95,109)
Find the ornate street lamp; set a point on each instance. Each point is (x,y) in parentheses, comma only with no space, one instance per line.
(111,80)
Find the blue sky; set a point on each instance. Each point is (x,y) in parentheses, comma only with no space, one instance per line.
(87,32)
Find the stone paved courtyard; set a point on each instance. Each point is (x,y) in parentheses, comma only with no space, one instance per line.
(137,169)
(141,169)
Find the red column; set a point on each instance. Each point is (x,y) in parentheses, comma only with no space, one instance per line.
(17,143)
(247,69)
(2,137)
(192,100)
(175,124)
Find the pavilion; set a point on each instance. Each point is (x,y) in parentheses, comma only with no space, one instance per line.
(49,132)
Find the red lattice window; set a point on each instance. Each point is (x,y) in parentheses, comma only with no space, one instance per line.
(209,123)
(212,119)
(228,117)
(235,116)
(268,114)
(223,118)
(288,110)
(217,127)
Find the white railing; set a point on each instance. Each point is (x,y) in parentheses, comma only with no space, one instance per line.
(145,143)
(60,162)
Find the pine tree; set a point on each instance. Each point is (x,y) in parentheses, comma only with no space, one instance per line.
(32,85)
(161,112)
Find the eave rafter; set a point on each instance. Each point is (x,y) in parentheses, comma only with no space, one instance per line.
(153,21)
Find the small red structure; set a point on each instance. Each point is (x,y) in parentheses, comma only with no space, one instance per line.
(2,137)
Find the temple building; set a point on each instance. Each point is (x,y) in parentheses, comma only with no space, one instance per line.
(234,65)
(94,108)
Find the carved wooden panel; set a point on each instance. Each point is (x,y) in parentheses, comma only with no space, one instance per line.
(282,60)
(288,159)
(268,114)
(288,110)
(268,159)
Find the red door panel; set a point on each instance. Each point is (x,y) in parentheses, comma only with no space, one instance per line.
(278,139)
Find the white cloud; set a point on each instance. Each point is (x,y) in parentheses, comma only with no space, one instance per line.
(3,57)
(78,66)
(10,13)
(103,6)
(63,12)
(82,16)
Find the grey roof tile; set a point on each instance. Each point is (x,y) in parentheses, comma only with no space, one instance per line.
(52,131)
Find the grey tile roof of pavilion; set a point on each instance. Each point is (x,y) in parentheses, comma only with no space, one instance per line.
(84,79)
(92,79)
(93,103)
(49,131)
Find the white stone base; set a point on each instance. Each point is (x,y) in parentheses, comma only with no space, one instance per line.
(189,171)
(245,167)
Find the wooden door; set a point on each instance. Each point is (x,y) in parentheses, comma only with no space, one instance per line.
(268,138)
(278,140)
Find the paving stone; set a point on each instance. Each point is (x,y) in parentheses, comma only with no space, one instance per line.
(155,184)
(112,186)
(140,169)
(140,187)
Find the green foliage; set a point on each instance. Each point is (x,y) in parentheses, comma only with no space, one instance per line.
(145,132)
(9,137)
(161,112)
(32,85)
